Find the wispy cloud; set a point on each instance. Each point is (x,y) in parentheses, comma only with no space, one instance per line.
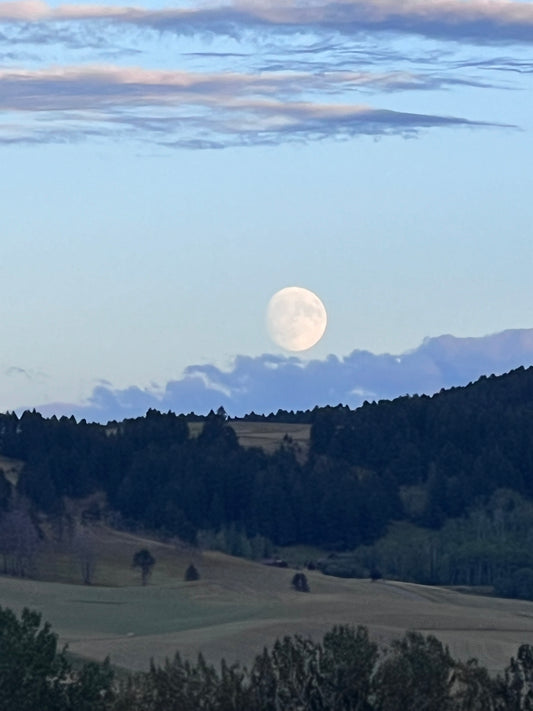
(291,72)
(225,108)
(502,64)
(217,108)
(475,21)
(97,87)
(15,371)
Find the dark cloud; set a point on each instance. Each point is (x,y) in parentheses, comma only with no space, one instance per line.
(267,383)
(219,55)
(501,64)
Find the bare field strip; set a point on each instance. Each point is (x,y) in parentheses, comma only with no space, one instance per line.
(11,468)
(267,435)
(238,607)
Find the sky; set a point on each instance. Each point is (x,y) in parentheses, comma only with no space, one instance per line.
(166,168)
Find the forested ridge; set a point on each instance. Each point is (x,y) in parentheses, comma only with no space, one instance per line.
(454,469)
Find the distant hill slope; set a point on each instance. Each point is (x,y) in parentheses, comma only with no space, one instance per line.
(462,443)
(417,459)
(267,383)
(237,607)
(456,445)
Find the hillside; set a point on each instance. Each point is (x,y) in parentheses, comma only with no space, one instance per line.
(11,469)
(448,476)
(239,606)
(269,436)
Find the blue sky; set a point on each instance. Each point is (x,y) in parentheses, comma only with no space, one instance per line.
(167,168)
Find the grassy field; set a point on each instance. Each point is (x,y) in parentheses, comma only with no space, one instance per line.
(11,468)
(239,606)
(267,435)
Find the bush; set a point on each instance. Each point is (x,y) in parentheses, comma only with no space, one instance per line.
(299,583)
(519,584)
(37,676)
(192,573)
(144,560)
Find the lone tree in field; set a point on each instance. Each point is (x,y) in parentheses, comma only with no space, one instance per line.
(144,560)
(299,583)
(192,573)
(19,542)
(85,551)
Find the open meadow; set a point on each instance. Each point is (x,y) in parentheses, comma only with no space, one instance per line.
(11,468)
(267,435)
(239,606)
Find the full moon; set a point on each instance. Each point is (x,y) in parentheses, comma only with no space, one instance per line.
(296,318)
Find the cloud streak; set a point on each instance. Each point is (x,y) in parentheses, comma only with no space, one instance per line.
(476,21)
(97,87)
(176,108)
(303,71)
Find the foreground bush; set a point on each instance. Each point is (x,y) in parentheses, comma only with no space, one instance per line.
(36,676)
(345,671)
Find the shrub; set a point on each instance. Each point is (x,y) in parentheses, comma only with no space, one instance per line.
(144,560)
(299,582)
(192,573)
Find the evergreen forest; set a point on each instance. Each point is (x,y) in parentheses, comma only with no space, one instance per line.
(430,489)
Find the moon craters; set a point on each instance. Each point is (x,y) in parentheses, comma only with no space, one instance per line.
(296,318)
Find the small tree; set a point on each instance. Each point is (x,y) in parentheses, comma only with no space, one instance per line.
(85,551)
(192,573)
(415,674)
(19,542)
(299,582)
(144,560)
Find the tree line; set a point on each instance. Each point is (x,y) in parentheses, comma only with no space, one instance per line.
(435,463)
(156,475)
(344,671)
(442,452)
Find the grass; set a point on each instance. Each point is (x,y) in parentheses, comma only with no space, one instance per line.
(299,555)
(267,435)
(239,606)
(11,468)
